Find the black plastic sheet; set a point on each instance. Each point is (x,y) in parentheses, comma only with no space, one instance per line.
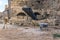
(29,12)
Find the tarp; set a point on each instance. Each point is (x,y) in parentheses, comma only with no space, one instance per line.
(29,12)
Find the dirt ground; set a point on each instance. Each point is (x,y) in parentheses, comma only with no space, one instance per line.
(25,34)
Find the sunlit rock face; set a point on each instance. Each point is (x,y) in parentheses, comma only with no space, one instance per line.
(35,4)
(31,3)
(16,5)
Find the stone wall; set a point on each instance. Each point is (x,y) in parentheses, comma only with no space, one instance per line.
(16,5)
(41,6)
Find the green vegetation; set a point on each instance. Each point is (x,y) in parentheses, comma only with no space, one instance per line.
(56,35)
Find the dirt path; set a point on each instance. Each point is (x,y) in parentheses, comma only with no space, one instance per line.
(24,34)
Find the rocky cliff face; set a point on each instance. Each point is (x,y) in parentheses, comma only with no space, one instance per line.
(51,7)
(37,4)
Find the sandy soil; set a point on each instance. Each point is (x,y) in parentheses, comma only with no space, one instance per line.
(24,34)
